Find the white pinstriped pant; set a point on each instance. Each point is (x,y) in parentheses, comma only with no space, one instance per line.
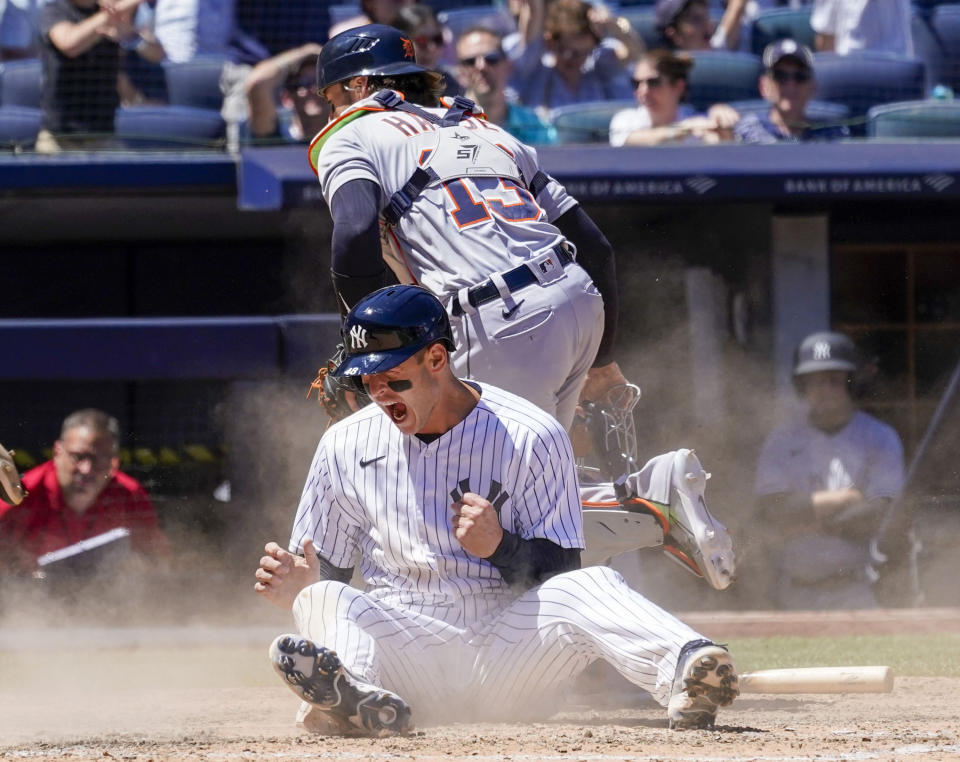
(511,665)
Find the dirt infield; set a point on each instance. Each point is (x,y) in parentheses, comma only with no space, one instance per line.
(194,694)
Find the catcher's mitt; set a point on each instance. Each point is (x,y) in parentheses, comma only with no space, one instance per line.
(339,397)
(11,490)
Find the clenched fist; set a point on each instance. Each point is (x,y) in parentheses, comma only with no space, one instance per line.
(476,525)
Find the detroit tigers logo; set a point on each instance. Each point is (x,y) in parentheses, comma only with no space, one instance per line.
(497,494)
(358,337)
(821,350)
(408,49)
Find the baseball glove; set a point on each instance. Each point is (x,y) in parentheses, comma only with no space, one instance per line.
(11,490)
(339,397)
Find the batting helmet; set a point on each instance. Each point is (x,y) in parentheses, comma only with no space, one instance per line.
(389,326)
(824,350)
(364,51)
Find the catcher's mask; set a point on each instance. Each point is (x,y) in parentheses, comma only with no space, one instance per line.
(389,326)
(365,51)
(613,431)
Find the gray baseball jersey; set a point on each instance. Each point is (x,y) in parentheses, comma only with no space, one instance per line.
(437,625)
(471,226)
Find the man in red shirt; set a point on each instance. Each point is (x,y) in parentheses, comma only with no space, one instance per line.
(77,495)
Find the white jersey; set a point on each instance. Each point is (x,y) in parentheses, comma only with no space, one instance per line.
(459,230)
(386,496)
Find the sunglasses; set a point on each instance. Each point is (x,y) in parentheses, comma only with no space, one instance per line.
(490,59)
(425,39)
(650,82)
(800,77)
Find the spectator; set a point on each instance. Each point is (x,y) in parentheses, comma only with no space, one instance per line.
(483,71)
(788,84)
(291,77)
(374,12)
(80,48)
(686,25)
(568,64)
(660,83)
(420,24)
(77,495)
(849,26)
(18,29)
(826,483)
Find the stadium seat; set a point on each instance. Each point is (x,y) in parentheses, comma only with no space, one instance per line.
(914,119)
(945,26)
(195,83)
(19,125)
(780,23)
(458,20)
(586,122)
(867,79)
(720,76)
(21,83)
(171,127)
(644,23)
(821,112)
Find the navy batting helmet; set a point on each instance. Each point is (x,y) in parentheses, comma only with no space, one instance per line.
(364,51)
(824,350)
(389,326)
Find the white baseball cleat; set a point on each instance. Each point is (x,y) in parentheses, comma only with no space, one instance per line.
(706,679)
(696,539)
(317,675)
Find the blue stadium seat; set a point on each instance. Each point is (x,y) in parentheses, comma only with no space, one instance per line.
(867,79)
(821,112)
(19,125)
(644,23)
(780,23)
(458,20)
(720,76)
(914,119)
(195,83)
(170,127)
(587,122)
(21,83)
(945,25)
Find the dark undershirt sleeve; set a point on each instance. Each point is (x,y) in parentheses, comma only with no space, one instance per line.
(595,255)
(335,573)
(527,563)
(356,262)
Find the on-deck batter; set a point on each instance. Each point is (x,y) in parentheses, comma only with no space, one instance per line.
(460,503)
(464,211)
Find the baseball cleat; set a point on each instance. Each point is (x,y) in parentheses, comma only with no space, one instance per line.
(11,490)
(317,675)
(706,679)
(696,540)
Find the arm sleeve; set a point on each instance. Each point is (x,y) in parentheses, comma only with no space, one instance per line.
(356,264)
(526,563)
(335,573)
(595,255)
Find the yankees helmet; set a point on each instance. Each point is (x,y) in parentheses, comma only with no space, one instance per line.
(389,326)
(824,350)
(364,51)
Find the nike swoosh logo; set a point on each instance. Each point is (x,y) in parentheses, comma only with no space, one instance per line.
(365,463)
(509,313)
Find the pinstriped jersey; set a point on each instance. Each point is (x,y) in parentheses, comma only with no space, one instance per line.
(458,231)
(386,497)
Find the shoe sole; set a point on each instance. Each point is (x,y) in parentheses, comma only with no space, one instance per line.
(710,675)
(317,675)
(710,548)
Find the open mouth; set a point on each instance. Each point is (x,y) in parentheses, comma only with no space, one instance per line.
(398,412)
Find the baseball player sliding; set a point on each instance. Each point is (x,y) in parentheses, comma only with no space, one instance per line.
(456,204)
(459,502)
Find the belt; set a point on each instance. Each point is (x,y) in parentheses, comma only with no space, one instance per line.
(517,278)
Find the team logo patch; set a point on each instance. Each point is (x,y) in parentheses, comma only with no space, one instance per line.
(408,49)
(358,337)
(821,350)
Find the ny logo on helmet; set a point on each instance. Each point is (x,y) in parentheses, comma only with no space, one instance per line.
(358,337)
(821,350)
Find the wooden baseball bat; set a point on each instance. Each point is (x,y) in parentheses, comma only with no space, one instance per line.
(818,680)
